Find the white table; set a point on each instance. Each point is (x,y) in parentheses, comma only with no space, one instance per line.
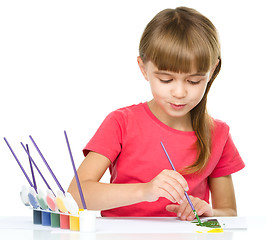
(21,228)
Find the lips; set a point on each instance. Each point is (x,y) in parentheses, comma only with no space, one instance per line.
(177,106)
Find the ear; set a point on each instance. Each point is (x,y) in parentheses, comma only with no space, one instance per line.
(142,67)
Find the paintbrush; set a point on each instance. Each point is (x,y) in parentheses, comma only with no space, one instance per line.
(47,165)
(32,161)
(75,172)
(189,201)
(22,169)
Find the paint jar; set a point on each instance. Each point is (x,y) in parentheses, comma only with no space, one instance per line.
(24,195)
(32,198)
(55,220)
(74,223)
(41,200)
(46,218)
(87,221)
(50,199)
(37,216)
(64,221)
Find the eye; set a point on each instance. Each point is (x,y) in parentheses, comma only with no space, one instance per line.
(165,80)
(194,82)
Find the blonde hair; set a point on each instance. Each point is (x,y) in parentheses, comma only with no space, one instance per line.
(183,40)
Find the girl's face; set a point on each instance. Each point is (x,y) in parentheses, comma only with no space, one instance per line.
(174,94)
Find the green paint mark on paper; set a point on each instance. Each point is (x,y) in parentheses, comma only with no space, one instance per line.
(211,223)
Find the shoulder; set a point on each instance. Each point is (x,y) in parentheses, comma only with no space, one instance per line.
(220,132)
(225,158)
(132,108)
(220,127)
(126,112)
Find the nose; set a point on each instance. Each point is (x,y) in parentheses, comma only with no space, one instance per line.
(179,90)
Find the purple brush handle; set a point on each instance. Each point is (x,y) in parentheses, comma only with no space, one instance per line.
(76,174)
(47,165)
(31,168)
(190,203)
(19,163)
(31,160)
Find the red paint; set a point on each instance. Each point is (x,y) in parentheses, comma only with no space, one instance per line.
(64,221)
(51,203)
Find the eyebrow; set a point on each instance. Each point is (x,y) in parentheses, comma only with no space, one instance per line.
(170,74)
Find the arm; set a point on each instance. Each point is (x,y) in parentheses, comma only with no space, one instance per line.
(102,196)
(223,196)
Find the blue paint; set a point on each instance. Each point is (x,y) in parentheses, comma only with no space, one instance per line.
(37,217)
(33,201)
(46,218)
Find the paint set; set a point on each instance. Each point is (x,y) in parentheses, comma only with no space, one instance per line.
(58,210)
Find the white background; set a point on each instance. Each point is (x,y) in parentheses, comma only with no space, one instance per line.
(64,65)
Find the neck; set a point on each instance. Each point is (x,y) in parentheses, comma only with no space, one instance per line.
(179,123)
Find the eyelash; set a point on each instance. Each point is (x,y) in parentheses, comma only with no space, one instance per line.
(165,81)
(194,83)
(168,81)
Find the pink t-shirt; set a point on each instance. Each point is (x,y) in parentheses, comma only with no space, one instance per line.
(130,138)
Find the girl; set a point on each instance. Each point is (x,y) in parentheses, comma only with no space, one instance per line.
(179,55)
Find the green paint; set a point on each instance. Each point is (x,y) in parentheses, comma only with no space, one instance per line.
(197,217)
(42,203)
(211,223)
(55,220)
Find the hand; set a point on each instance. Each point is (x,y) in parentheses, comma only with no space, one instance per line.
(169,184)
(184,210)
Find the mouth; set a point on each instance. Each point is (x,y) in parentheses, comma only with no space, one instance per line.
(177,106)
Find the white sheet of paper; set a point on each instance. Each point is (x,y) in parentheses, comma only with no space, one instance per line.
(163,225)
(131,225)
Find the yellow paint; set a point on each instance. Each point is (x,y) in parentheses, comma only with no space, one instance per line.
(80,210)
(74,223)
(216,230)
(60,204)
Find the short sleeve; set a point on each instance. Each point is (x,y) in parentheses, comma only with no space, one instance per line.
(230,160)
(108,138)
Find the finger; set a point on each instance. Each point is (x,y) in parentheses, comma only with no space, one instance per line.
(175,189)
(199,206)
(179,178)
(169,187)
(197,203)
(181,208)
(172,208)
(164,191)
(187,213)
(204,208)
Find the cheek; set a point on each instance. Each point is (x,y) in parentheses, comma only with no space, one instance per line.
(157,89)
(198,93)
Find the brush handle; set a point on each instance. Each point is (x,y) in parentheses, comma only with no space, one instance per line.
(31,160)
(75,172)
(25,174)
(173,167)
(47,165)
(190,203)
(31,169)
